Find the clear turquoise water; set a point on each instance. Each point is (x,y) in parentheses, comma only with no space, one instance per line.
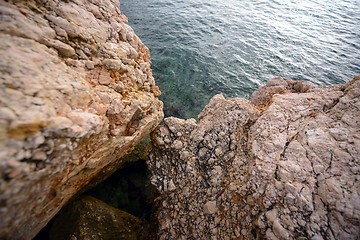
(203,47)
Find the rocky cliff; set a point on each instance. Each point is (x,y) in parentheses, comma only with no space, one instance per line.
(284,166)
(76,94)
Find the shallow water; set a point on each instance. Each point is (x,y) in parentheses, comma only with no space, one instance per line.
(200,48)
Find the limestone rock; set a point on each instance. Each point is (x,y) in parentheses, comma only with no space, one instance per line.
(284,167)
(76,94)
(88,218)
(278,85)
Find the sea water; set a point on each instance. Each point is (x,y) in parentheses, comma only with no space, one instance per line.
(203,47)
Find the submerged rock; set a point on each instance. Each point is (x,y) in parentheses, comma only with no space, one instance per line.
(285,166)
(76,94)
(88,218)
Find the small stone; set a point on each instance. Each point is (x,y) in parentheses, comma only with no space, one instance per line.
(104,78)
(81,54)
(39,155)
(203,152)
(61,32)
(279,230)
(211,161)
(218,151)
(210,207)
(217,171)
(164,131)
(38,140)
(64,50)
(178,145)
(89,65)
(112,64)
(171,186)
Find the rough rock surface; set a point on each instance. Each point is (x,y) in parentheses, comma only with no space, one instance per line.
(88,218)
(283,167)
(76,94)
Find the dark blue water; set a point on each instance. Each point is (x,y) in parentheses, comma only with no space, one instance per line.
(203,47)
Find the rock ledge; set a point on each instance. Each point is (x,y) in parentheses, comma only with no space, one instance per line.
(284,166)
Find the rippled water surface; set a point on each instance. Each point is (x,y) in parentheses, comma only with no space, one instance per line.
(203,47)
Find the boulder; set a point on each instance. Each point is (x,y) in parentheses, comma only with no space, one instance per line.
(76,94)
(88,218)
(285,166)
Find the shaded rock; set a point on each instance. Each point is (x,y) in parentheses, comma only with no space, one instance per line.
(285,169)
(75,96)
(129,189)
(88,218)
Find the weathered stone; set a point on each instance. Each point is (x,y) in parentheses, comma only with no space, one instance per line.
(286,167)
(64,49)
(64,120)
(278,85)
(210,207)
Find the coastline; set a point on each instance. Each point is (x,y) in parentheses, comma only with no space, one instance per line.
(78,94)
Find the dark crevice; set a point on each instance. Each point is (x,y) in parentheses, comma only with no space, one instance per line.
(128,189)
(328,221)
(45,232)
(277,177)
(331,161)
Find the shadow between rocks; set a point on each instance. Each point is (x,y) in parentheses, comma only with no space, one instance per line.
(128,189)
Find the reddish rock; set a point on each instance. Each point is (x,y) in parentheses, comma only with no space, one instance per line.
(286,167)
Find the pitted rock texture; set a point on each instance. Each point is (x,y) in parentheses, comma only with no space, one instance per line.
(285,168)
(76,94)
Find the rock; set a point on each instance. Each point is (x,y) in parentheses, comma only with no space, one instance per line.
(128,189)
(63,49)
(278,85)
(88,218)
(171,186)
(285,166)
(75,97)
(210,207)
